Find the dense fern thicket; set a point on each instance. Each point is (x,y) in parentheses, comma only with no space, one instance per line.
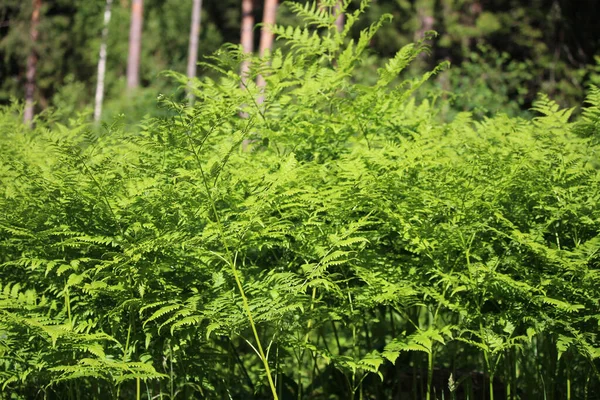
(315,239)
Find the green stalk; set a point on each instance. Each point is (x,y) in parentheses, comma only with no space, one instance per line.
(306,337)
(171,375)
(138,393)
(102,193)
(68,305)
(253,326)
(509,370)
(586,387)
(513,379)
(429,373)
(568,383)
(236,276)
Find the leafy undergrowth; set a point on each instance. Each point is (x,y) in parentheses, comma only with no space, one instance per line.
(321,239)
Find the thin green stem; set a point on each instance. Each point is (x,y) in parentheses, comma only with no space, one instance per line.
(568,383)
(171,374)
(235,271)
(429,373)
(102,193)
(68,305)
(138,392)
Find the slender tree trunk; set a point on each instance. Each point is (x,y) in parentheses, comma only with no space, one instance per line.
(341,19)
(32,60)
(193,49)
(102,63)
(247,36)
(266,35)
(425,12)
(135,44)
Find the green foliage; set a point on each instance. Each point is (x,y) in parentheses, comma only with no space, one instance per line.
(485,84)
(318,238)
(552,45)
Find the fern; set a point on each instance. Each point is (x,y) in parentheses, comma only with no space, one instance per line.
(338,226)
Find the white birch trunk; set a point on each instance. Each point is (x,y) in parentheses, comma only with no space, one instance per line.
(102,63)
(193,49)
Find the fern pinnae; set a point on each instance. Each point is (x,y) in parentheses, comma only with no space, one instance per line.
(235,272)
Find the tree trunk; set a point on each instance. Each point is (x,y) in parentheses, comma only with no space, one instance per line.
(266,35)
(102,63)
(193,49)
(341,19)
(247,36)
(425,12)
(32,60)
(135,44)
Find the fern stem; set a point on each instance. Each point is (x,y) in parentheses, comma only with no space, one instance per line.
(586,386)
(312,307)
(127,341)
(254,331)
(235,272)
(568,383)
(103,194)
(238,360)
(138,393)
(68,305)
(126,350)
(429,373)
(171,375)
(255,103)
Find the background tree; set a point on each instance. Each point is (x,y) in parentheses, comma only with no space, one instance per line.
(550,46)
(32,61)
(426,20)
(194,39)
(341,19)
(247,35)
(266,35)
(135,44)
(102,63)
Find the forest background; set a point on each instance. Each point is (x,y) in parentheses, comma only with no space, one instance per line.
(503,51)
